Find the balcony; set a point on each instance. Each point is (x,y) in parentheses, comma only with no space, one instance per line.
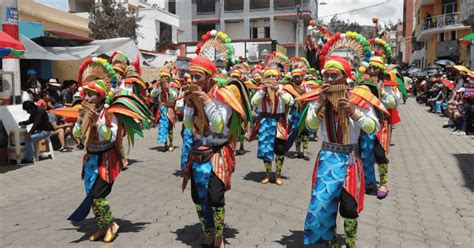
(440,23)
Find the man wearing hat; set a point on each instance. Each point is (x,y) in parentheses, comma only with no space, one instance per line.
(337,178)
(53,88)
(270,103)
(211,156)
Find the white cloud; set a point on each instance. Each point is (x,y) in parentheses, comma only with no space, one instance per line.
(390,11)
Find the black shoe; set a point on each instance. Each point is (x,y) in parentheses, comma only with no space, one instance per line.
(80,146)
(26,162)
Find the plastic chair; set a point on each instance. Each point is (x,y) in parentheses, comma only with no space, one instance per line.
(50,151)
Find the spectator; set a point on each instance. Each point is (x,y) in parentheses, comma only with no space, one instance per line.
(32,89)
(53,88)
(33,75)
(70,88)
(44,100)
(41,128)
(62,131)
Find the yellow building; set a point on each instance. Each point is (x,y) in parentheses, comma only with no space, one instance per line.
(438,30)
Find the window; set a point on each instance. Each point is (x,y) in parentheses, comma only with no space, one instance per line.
(453,35)
(172,6)
(259,4)
(205,6)
(284,4)
(259,28)
(233,5)
(441,37)
(448,6)
(165,33)
(203,28)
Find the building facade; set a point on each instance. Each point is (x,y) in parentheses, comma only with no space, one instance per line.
(282,20)
(408,31)
(159,20)
(467,17)
(438,29)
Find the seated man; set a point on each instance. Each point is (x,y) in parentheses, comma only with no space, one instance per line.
(62,130)
(41,128)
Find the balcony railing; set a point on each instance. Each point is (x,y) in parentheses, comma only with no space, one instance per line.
(441,21)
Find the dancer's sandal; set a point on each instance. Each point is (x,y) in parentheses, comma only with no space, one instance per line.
(111,232)
(97,235)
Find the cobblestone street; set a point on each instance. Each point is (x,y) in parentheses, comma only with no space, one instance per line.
(431,200)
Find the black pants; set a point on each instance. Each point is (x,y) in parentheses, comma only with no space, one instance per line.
(379,153)
(347,205)
(280,147)
(101,188)
(215,191)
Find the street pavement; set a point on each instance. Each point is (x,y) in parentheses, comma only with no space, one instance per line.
(431,200)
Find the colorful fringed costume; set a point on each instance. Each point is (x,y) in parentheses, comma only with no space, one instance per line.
(167,90)
(296,88)
(215,126)
(103,139)
(374,148)
(271,103)
(338,174)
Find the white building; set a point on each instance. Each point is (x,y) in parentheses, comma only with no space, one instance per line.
(159,23)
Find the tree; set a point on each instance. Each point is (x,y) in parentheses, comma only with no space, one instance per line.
(110,19)
(342,26)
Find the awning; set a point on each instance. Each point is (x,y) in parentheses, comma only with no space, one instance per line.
(468,39)
(94,48)
(8,46)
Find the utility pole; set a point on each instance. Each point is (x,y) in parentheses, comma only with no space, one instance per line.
(298,15)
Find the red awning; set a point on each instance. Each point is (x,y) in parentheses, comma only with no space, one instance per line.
(6,41)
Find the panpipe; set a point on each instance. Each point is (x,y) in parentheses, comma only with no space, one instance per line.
(336,93)
(200,119)
(271,92)
(87,123)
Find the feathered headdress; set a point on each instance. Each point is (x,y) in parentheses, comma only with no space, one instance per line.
(300,63)
(278,61)
(352,40)
(119,57)
(98,68)
(215,46)
(381,48)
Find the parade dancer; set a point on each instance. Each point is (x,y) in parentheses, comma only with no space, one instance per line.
(270,103)
(167,90)
(208,111)
(105,118)
(296,88)
(337,178)
(375,147)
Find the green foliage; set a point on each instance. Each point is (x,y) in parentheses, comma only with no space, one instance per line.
(110,19)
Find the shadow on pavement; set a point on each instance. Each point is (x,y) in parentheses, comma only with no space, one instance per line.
(192,235)
(8,168)
(258,176)
(89,226)
(162,148)
(296,239)
(466,165)
(177,173)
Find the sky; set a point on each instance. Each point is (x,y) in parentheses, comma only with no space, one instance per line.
(391,10)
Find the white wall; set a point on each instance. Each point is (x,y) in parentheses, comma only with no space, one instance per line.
(284,31)
(235,30)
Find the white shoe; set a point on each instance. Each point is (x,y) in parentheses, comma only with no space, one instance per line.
(462,134)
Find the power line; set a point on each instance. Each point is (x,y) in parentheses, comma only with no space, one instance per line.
(354,10)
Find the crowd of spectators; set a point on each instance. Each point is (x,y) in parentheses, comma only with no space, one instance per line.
(53,94)
(449,95)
